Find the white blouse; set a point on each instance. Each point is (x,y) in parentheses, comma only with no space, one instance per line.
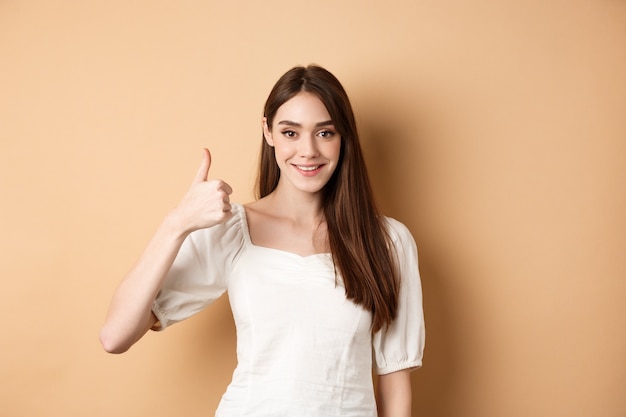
(303,349)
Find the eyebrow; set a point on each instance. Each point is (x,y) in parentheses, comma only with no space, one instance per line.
(296,124)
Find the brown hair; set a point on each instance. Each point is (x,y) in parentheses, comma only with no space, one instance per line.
(357,234)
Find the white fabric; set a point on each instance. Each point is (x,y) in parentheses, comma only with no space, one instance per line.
(303,349)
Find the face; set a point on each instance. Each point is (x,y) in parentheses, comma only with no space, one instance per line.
(306,143)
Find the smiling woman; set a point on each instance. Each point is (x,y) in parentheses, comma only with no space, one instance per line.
(318,280)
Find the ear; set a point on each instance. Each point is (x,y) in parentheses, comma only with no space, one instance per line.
(267,133)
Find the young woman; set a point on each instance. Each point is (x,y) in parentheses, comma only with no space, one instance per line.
(323,288)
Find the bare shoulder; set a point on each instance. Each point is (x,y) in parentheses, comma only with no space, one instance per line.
(261,221)
(258,210)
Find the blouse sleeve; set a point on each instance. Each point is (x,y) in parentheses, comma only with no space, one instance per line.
(401,345)
(199,274)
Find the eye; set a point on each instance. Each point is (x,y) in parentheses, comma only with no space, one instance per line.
(289,133)
(327,134)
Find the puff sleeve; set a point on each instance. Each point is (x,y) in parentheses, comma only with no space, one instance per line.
(401,345)
(199,274)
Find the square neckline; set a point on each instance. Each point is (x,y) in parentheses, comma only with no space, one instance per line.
(248,238)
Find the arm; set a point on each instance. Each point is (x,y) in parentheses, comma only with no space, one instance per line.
(393,394)
(130,313)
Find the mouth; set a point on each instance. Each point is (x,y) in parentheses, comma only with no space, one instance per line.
(307,167)
(308,170)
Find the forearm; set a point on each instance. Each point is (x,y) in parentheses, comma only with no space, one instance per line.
(130,313)
(393,394)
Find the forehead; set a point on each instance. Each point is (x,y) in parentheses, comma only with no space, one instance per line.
(302,108)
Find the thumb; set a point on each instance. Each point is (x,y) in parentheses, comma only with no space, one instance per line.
(203,171)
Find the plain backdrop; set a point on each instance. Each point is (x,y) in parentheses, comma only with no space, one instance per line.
(495,130)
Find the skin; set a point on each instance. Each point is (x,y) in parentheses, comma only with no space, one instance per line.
(307,149)
(393,394)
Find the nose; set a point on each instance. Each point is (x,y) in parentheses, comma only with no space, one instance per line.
(308,146)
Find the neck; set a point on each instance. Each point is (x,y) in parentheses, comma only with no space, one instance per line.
(299,206)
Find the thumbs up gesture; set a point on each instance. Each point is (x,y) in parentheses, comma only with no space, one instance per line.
(207,202)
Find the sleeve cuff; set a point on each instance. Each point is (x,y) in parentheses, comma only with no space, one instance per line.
(413,365)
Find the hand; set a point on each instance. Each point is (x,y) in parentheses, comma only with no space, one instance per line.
(207,203)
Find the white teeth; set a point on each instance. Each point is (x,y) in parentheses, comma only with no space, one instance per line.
(313,168)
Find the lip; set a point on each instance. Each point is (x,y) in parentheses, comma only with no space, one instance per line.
(308,170)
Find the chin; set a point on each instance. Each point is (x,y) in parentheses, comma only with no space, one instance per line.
(310,188)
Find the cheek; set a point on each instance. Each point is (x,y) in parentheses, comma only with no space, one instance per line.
(334,149)
(282,151)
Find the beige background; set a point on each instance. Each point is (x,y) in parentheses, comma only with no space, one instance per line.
(495,130)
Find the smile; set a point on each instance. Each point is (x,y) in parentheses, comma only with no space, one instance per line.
(307,168)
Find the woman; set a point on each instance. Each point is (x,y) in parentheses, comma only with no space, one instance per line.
(318,280)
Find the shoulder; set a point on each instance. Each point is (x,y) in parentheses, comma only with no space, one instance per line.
(230,232)
(258,209)
(398,232)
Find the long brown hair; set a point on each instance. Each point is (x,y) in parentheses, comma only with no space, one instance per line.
(360,245)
